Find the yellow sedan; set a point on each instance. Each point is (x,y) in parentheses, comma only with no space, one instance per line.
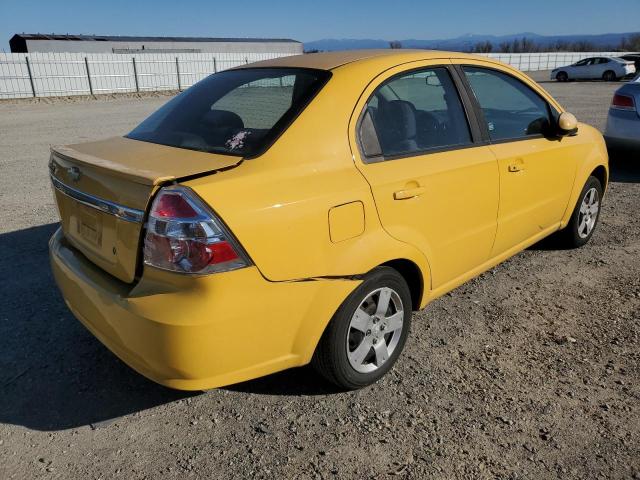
(299,209)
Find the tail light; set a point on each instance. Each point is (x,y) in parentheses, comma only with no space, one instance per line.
(623,102)
(184,235)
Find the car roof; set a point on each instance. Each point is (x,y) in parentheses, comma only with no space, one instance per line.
(331,60)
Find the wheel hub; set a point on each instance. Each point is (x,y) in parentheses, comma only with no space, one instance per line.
(375,332)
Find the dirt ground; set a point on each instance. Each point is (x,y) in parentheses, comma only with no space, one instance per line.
(530,371)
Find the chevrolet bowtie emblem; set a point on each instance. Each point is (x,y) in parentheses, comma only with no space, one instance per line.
(74,173)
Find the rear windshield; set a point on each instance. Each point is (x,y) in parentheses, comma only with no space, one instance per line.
(235,112)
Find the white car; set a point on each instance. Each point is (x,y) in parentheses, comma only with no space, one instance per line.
(595,68)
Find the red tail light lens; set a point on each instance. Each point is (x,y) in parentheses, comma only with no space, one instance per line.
(623,102)
(173,205)
(184,235)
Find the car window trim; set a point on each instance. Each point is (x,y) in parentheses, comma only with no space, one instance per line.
(472,103)
(419,153)
(477,134)
(477,138)
(551,111)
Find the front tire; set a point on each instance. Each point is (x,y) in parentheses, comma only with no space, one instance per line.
(562,77)
(366,335)
(585,216)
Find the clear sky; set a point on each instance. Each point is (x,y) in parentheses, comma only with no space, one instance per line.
(313,20)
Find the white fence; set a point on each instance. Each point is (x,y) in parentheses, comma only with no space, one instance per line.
(63,74)
(529,62)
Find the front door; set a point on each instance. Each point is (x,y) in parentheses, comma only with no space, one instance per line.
(585,68)
(536,172)
(600,65)
(433,186)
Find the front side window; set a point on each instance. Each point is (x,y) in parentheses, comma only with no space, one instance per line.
(236,112)
(511,109)
(414,112)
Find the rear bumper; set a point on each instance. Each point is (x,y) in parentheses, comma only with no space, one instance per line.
(623,129)
(194,333)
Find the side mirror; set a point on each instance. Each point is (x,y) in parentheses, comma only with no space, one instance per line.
(567,124)
(433,81)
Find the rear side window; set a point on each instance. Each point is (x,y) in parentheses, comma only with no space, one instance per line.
(414,112)
(236,112)
(511,109)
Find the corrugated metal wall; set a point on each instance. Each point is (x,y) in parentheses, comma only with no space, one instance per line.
(63,74)
(130,46)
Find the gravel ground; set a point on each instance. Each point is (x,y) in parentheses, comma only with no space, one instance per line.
(529,371)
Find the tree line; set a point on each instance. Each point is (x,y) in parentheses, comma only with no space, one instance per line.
(526,45)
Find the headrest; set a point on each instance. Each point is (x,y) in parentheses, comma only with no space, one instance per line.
(399,118)
(222,119)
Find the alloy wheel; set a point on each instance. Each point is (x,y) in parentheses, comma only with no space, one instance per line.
(588,214)
(375,330)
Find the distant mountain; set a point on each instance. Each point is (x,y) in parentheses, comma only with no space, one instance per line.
(466,42)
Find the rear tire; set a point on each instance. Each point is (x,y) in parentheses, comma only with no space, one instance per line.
(609,76)
(562,77)
(364,338)
(585,216)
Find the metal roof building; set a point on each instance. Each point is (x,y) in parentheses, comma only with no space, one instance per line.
(37,42)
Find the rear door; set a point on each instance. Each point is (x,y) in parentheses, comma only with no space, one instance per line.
(434,182)
(601,65)
(536,172)
(591,70)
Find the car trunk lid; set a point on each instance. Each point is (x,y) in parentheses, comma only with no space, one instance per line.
(103,188)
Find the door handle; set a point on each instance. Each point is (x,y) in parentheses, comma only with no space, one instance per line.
(409,193)
(516,167)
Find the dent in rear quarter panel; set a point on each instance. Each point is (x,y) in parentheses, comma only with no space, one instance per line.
(282,322)
(278,204)
(591,141)
(187,332)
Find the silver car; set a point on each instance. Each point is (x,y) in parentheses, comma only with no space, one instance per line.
(595,68)
(623,122)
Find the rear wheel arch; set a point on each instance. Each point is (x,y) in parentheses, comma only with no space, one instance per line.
(360,325)
(412,275)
